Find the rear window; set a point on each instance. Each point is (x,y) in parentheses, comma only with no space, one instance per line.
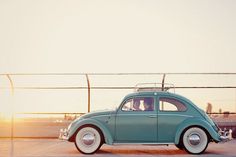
(171,104)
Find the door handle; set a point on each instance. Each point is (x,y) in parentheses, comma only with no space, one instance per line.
(152,116)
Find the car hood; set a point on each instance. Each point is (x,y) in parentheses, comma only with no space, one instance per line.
(97,113)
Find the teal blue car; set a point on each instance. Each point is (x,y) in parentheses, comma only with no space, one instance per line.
(146,117)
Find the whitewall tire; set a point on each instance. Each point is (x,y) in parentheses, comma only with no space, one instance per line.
(195,140)
(88,140)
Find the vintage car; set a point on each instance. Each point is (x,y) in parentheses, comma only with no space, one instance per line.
(146,117)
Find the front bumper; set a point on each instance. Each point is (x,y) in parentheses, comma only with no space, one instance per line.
(64,135)
(225,136)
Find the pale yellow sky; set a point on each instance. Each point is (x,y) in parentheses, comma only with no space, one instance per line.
(120,35)
(116,36)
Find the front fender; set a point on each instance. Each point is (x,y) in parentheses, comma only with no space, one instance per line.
(107,135)
(196,122)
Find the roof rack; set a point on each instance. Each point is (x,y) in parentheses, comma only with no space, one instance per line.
(153,87)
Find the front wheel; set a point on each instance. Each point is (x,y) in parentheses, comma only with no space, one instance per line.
(195,140)
(88,140)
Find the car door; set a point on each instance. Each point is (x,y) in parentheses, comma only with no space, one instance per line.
(137,125)
(171,112)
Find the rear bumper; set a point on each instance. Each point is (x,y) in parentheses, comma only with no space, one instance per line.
(64,135)
(225,136)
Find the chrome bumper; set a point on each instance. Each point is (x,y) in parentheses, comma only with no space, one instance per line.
(63,134)
(225,136)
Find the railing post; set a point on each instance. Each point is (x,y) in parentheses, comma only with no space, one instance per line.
(12,117)
(11,83)
(163,88)
(235,100)
(163,82)
(88,83)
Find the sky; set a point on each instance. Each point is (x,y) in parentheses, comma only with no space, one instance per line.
(116,36)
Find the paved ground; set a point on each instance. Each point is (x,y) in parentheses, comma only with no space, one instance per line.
(57,148)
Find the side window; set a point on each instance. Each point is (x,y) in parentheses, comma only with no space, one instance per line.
(127,105)
(170,104)
(139,104)
(148,104)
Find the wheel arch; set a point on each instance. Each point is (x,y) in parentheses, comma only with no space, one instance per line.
(197,126)
(211,133)
(106,135)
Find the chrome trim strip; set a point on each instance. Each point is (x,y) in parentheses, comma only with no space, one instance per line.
(183,115)
(156,115)
(137,114)
(101,116)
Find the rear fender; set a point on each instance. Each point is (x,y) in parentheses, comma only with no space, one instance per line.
(197,122)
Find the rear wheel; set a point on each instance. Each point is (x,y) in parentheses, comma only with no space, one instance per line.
(195,140)
(88,140)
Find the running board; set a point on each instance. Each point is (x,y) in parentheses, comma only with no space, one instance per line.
(166,144)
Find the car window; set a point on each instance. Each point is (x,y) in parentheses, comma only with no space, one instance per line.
(139,104)
(127,105)
(170,104)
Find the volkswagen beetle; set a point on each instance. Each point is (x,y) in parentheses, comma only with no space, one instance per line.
(146,117)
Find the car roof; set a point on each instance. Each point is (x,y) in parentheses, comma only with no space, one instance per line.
(158,93)
(149,93)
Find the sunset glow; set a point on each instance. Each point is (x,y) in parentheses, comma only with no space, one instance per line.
(6,116)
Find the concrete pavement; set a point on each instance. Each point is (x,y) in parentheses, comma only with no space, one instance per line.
(57,148)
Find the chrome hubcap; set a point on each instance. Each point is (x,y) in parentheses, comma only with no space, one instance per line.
(194,139)
(88,139)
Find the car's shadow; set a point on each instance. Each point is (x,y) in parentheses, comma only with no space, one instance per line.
(139,151)
(145,150)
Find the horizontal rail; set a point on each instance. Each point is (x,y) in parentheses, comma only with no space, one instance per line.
(117,74)
(29,137)
(207,87)
(84,113)
(222,113)
(50,113)
(120,87)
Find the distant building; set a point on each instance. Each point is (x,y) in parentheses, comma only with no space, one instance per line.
(209,108)
(220,110)
(226,114)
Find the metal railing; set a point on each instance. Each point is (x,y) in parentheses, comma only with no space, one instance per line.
(89,87)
